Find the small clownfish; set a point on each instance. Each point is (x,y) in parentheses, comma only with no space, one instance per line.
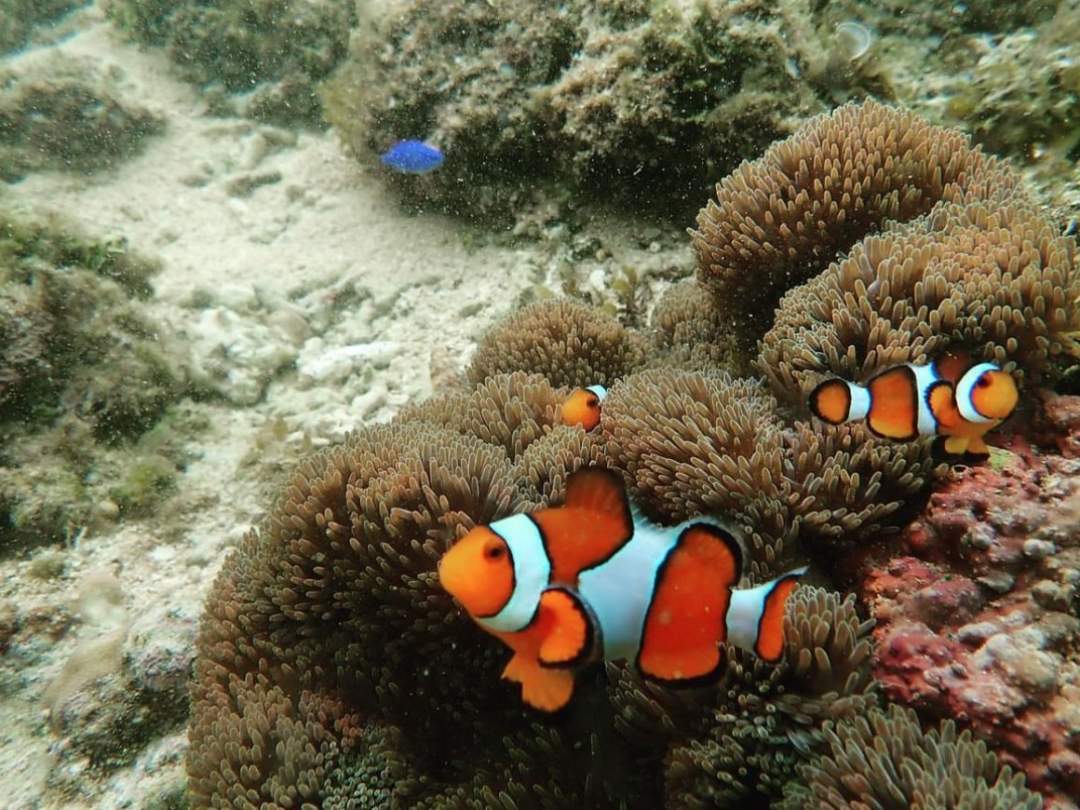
(938,399)
(583,407)
(593,579)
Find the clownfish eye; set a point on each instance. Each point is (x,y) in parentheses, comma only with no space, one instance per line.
(593,401)
(494,551)
(983,381)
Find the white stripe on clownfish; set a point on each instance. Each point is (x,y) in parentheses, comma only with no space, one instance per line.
(532,573)
(964,389)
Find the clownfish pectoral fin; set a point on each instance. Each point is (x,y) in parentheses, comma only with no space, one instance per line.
(770,636)
(894,409)
(569,638)
(837,401)
(687,619)
(545,689)
(957,445)
(597,489)
(941,399)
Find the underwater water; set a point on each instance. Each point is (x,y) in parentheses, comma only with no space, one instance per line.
(521,404)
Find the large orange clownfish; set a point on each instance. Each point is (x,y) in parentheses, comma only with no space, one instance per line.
(944,398)
(593,579)
(583,407)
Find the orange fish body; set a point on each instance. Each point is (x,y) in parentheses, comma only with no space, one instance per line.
(583,407)
(942,398)
(590,579)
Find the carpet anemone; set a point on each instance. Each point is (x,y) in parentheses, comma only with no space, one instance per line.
(780,220)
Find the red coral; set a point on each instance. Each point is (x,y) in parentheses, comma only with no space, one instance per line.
(978,620)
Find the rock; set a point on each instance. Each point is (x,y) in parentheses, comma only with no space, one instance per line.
(1001,658)
(68,114)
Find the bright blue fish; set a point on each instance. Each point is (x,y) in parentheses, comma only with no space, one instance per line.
(412,157)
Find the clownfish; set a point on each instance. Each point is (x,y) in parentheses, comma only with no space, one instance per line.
(593,579)
(583,407)
(938,399)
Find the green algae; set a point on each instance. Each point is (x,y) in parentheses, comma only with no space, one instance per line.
(275,50)
(637,102)
(87,384)
(18,18)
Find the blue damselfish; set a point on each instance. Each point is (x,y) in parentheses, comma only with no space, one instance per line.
(412,157)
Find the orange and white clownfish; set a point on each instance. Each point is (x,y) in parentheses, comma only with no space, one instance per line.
(944,398)
(583,407)
(594,579)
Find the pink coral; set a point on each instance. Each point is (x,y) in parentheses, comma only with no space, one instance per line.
(977,616)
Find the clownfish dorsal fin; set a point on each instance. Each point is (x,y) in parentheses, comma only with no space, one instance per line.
(568,629)
(952,365)
(597,489)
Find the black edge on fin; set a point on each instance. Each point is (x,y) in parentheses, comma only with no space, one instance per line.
(592,632)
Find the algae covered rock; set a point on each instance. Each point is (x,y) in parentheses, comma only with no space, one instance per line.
(633,100)
(67,113)
(274,50)
(18,18)
(84,375)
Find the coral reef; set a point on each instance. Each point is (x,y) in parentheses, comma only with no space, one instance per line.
(977,616)
(18,18)
(275,51)
(627,99)
(67,113)
(83,378)
(884,759)
(780,220)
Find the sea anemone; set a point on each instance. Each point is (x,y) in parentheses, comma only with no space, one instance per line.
(780,220)
(999,282)
(884,759)
(570,344)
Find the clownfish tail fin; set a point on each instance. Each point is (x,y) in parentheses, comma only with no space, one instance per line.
(837,401)
(770,636)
